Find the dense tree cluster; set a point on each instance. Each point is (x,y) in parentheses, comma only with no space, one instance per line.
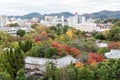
(108,70)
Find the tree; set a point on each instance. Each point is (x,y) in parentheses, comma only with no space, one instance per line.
(83,44)
(5,76)
(34,25)
(93,58)
(67,49)
(20,75)
(102,73)
(69,33)
(103,50)
(71,74)
(85,73)
(58,29)
(99,36)
(78,32)
(50,52)
(114,45)
(106,34)
(117,23)
(114,34)
(15,59)
(14,25)
(50,70)
(25,46)
(21,32)
(65,28)
(59,25)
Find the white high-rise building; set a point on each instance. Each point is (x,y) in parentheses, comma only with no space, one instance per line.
(83,19)
(75,19)
(70,21)
(62,20)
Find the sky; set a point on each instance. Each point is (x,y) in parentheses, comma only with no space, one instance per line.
(21,7)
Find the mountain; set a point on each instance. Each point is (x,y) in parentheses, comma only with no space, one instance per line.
(104,14)
(31,15)
(38,15)
(28,16)
(65,14)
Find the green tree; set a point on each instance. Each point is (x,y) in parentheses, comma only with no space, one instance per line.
(50,71)
(103,50)
(114,34)
(65,28)
(50,52)
(21,75)
(14,25)
(78,32)
(34,51)
(58,29)
(117,23)
(26,45)
(71,74)
(99,36)
(21,32)
(85,73)
(102,73)
(5,76)
(15,59)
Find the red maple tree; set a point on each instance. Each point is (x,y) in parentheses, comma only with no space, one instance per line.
(94,57)
(68,50)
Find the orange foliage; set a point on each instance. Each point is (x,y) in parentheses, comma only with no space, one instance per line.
(79,64)
(94,57)
(40,37)
(69,50)
(114,45)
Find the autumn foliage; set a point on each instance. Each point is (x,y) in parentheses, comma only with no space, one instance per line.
(94,57)
(68,50)
(79,64)
(114,45)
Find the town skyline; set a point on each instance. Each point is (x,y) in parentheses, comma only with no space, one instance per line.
(16,7)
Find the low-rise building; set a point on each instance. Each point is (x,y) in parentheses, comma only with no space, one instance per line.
(102,44)
(34,63)
(103,27)
(114,53)
(87,27)
(13,30)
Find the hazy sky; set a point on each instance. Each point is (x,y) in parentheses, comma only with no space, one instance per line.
(21,7)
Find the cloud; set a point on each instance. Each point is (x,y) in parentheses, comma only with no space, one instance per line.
(21,7)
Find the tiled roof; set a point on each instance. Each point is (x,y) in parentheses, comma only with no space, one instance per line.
(60,62)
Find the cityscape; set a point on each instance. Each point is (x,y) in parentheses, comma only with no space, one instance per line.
(75,21)
(60,40)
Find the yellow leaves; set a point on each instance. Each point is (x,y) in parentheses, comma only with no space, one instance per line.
(106,33)
(69,33)
(62,38)
(33,31)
